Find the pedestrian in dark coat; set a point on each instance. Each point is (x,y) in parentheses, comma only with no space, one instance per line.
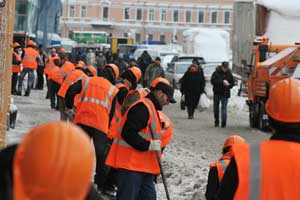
(192,86)
(144,61)
(222,81)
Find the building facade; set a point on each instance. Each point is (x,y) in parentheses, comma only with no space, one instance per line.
(145,20)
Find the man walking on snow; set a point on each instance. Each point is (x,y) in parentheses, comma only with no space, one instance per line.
(222,81)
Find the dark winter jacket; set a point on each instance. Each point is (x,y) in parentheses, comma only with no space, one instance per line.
(144,61)
(192,85)
(217,81)
(153,71)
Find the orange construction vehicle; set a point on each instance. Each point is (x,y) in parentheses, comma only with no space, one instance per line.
(269,64)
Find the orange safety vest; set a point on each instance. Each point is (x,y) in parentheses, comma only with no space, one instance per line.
(116,120)
(221,166)
(57,75)
(67,67)
(95,102)
(50,64)
(166,129)
(269,170)
(16,68)
(70,79)
(124,156)
(30,58)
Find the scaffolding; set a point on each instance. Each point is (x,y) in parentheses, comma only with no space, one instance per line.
(6,38)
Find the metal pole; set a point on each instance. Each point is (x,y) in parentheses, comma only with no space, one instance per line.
(161,170)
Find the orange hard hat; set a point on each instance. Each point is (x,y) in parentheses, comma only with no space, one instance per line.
(283,103)
(136,72)
(115,70)
(163,85)
(31,43)
(234,139)
(16,45)
(62,51)
(92,70)
(159,80)
(79,65)
(81,62)
(49,165)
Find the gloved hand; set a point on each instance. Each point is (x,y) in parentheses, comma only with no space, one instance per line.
(225,82)
(155,145)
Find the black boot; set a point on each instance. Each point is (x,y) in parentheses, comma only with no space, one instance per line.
(19,93)
(223,124)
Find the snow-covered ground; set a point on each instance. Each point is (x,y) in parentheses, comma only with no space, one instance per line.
(195,144)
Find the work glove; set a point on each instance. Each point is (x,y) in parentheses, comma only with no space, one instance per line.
(225,82)
(155,145)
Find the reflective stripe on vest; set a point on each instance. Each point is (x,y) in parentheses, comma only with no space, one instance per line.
(255,172)
(144,135)
(105,103)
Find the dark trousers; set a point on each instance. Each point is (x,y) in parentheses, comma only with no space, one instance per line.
(62,107)
(53,90)
(224,101)
(102,145)
(135,186)
(191,111)
(40,77)
(30,73)
(14,81)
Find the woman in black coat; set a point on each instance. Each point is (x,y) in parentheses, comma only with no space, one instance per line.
(192,86)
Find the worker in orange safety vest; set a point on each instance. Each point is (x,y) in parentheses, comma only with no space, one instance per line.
(133,150)
(217,169)
(269,169)
(95,105)
(16,67)
(30,59)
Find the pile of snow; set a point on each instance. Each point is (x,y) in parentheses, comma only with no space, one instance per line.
(186,173)
(210,43)
(283,25)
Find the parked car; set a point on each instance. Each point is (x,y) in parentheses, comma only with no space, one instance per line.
(167,60)
(175,72)
(187,59)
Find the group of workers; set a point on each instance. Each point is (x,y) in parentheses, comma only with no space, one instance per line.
(128,128)
(126,124)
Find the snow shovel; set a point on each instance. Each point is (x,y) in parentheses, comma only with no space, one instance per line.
(161,169)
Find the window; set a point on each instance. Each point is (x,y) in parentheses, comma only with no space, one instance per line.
(139,14)
(200,16)
(214,16)
(105,13)
(72,11)
(83,11)
(162,38)
(188,16)
(175,15)
(163,16)
(151,14)
(226,17)
(125,34)
(126,13)
(150,37)
(137,37)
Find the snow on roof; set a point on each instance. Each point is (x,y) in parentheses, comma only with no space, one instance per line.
(286,8)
